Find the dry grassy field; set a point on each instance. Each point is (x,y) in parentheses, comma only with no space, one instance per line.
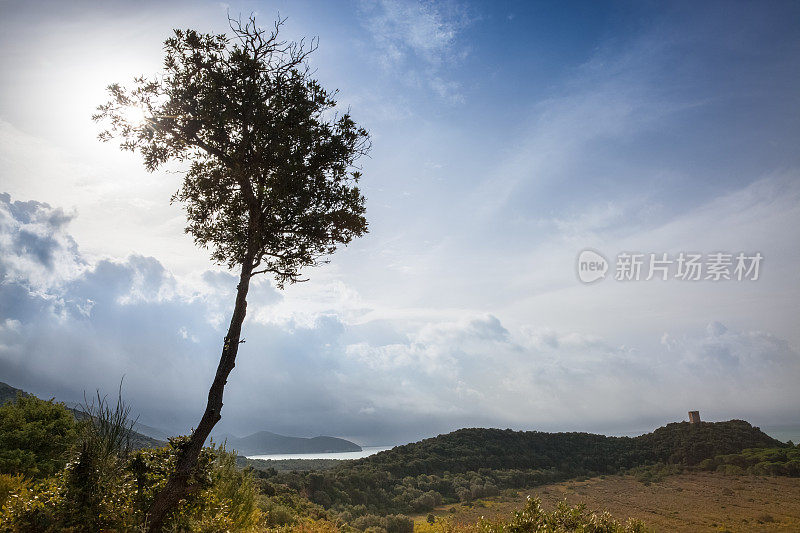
(686,502)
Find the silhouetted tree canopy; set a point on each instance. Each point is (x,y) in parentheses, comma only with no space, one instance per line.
(271,168)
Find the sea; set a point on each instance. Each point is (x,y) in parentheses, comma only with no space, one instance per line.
(366,451)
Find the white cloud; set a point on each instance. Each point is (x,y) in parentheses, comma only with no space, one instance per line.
(406,32)
(426,29)
(343,367)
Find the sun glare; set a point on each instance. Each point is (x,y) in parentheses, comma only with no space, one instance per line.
(134,115)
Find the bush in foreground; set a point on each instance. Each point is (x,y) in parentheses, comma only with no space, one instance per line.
(533,518)
(85,477)
(35,436)
(88,495)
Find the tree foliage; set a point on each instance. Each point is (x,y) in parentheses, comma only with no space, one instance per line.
(271,169)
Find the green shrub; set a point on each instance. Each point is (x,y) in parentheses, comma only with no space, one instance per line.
(96,483)
(107,487)
(225,497)
(277,515)
(533,518)
(784,461)
(34,509)
(230,502)
(708,465)
(35,437)
(730,470)
(392,523)
(11,485)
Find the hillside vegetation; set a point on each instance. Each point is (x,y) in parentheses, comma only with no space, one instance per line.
(58,473)
(783,461)
(35,436)
(287,465)
(474,463)
(138,441)
(61,474)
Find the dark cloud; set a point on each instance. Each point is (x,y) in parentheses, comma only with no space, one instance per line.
(35,240)
(40,247)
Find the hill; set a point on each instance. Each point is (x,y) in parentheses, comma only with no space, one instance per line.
(474,448)
(9,393)
(138,440)
(473,463)
(265,442)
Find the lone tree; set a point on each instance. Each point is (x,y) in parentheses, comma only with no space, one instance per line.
(271,185)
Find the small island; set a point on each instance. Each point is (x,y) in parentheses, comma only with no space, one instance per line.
(266,442)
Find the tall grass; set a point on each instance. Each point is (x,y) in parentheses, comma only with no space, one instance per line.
(95,482)
(108,428)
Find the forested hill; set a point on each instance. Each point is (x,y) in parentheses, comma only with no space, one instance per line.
(689,444)
(472,463)
(475,448)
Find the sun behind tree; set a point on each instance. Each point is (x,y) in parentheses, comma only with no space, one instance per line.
(271,186)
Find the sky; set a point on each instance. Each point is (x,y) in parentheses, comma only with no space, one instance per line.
(507,138)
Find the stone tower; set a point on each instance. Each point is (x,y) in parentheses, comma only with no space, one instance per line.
(694,417)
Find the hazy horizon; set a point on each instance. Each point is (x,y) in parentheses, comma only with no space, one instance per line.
(781,431)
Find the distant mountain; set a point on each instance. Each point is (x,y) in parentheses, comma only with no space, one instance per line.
(156,433)
(9,393)
(265,442)
(139,440)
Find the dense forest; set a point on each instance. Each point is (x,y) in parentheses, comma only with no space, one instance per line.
(473,463)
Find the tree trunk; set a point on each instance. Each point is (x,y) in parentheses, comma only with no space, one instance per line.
(178,486)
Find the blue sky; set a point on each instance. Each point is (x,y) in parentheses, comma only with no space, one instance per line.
(507,137)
